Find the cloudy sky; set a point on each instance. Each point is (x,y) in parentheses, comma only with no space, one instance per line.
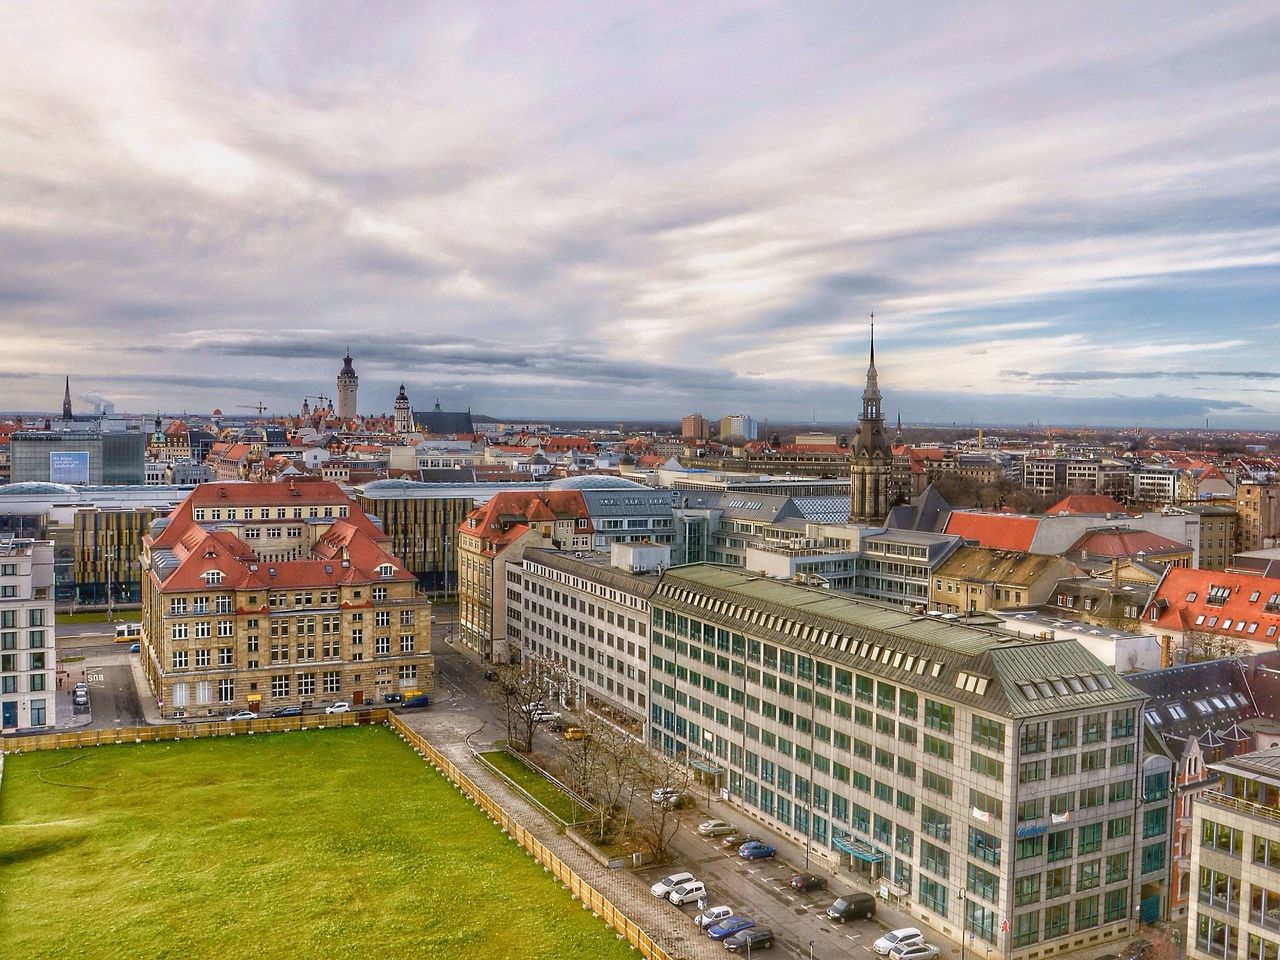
(1061,212)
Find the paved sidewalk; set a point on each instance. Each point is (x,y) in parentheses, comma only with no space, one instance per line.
(668,926)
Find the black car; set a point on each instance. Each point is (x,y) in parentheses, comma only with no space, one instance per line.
(491,675)
(393,698)
(755,938)
(808,881)
(420,701)
(852,906)
(293,711)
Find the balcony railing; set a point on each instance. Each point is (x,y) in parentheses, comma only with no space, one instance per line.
(1217,798)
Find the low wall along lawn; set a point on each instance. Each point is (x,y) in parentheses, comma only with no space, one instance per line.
(322,844)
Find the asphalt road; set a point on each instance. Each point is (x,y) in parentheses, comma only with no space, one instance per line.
(758,889)
(113,696)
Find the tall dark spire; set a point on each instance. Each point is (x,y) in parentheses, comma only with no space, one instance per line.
(66,401)
(873,341)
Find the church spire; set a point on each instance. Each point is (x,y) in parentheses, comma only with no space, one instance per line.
(66,401)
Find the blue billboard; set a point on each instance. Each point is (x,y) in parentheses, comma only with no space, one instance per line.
(69,466)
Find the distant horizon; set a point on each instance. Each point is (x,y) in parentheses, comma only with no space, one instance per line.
(604,422)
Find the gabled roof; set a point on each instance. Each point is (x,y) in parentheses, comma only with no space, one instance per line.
(997,531)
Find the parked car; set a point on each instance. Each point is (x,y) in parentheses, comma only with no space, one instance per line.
(714,828)
(753,938)
(491,675)
(80,698)
(895,937)
(737,839)
(243,715)
(536,707)
(755,850)
(422,700)
(689,892)
(729,926)
(576,733)
(914,951)
(393,698)
(135,648)
(667,884)
(292,710)
(545,716)
(852,906)
(712,915)
(808,881)
(81,687)
(663,794)
(340,707)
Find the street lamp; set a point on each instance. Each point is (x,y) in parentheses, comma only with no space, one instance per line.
(964,924)
(810,950)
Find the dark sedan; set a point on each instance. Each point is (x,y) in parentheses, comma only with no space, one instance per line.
(755,938)
(808,881)
(293,711)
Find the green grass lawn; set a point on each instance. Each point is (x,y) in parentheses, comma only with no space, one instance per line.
(538,787)
(100,616)
(327,844)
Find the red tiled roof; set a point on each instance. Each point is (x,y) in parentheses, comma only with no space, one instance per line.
(1122,542)
(1182,602)
(1085,503)
(994,530)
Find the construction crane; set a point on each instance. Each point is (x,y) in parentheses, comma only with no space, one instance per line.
(259,406)
(327,402)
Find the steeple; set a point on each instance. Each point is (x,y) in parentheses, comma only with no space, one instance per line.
(66,401)
(872,456)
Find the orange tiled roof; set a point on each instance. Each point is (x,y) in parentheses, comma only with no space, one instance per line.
(1215,602)
(1085,503)
(996,531)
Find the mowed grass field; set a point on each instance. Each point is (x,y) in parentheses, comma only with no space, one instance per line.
(327,844)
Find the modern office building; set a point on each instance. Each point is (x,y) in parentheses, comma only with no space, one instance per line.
(590,613)
(79,457)
(262,595)
(993,785)
(738,427)
(27,657)
(1235,861)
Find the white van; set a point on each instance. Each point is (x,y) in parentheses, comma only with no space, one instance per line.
(128,631)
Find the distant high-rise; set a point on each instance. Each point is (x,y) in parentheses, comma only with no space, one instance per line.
(403,413)
(870,491)
(695,427)
(348,383)
(738,426)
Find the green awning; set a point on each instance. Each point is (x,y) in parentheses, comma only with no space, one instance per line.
(705,766)
(856,848)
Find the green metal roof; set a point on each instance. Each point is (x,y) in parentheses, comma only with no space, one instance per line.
(991,669)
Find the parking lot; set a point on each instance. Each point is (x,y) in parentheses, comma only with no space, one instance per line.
(760,889)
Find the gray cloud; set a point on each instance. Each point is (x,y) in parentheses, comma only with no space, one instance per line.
(600,210)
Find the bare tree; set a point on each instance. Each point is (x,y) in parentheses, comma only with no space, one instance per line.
(1198,646)
(522,690)
(666,784)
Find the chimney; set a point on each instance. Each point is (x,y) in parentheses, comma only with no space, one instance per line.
(1115,571)
(1166,651)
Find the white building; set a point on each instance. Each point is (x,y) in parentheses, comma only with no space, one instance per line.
(27,660)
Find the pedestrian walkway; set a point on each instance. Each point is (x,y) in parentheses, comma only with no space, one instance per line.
(668,926)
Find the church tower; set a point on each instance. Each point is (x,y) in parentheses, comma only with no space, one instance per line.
(870,489)
(347,384)
(403,414)
(66,401)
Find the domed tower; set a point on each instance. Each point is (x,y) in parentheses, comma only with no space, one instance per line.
(870,488)
(403,415)
(348,382)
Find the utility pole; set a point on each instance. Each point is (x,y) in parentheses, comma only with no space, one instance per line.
(111,556)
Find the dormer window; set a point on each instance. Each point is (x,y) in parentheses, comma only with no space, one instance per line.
(1218,596)
(212,577)
(386,570)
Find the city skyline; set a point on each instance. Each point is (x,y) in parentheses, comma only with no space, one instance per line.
(1063,214)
